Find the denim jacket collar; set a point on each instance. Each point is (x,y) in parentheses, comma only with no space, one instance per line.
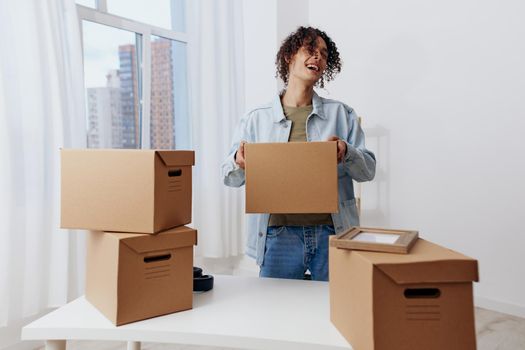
(278,114)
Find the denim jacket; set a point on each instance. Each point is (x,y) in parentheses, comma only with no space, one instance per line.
(329,117)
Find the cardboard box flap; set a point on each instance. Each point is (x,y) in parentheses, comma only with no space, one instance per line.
(177,158)
(432,272)
(426,262)
(170,239)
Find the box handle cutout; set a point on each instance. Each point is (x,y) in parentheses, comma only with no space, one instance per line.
(413,293)
(175,172)
(148,259)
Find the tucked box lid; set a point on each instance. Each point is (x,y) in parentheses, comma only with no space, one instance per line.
(176,158)
(427,262)
(174,238)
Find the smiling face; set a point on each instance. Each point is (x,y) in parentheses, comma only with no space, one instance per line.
(305,46)
(308,65)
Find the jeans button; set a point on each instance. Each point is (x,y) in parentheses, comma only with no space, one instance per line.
(260,234)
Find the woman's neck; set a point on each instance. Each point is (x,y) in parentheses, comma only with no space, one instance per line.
(297,95)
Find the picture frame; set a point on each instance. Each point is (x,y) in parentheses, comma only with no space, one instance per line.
(376,240)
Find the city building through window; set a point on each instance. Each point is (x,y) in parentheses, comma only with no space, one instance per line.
(135,74)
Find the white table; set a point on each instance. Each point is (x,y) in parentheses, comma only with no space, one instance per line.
(240,312)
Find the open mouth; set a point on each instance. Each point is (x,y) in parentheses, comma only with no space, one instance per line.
(312,67)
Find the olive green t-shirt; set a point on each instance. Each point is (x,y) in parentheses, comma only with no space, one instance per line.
(298,116)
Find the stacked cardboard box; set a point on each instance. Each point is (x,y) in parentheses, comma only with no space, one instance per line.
(139,254)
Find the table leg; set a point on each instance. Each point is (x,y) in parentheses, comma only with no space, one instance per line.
(55,344)
(133,345)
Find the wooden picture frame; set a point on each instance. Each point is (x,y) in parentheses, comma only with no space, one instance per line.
(376,240)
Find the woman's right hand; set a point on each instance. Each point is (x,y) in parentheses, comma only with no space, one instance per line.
(239,155)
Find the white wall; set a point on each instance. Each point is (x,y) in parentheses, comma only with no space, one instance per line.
(441,86)
(290,15)
(260,32)
(266,24)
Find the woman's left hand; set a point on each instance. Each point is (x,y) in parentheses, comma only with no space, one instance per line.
(341,148)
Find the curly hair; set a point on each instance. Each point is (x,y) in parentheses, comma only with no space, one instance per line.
(307,36)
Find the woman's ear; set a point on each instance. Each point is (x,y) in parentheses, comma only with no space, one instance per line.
(289,59)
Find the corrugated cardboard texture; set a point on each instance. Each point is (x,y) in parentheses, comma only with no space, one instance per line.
(427,262)
(125,190)
(446,322)
(351,297)
(132,277)
(154,288)
(177,158)
(102,273)
(403,316)
(294,177)
(174,238)
(173,192)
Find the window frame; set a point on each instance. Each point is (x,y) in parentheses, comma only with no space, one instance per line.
(100,15)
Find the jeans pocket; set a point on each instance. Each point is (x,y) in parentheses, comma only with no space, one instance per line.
(330,229)
(274,231)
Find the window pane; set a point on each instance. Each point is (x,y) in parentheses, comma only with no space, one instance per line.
(88,3)
(167,14)
(111,78)
(169,116)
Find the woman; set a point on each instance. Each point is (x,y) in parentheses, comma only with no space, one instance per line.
(287,245)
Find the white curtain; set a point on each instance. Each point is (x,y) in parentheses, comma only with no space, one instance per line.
(41,110)
(216,70)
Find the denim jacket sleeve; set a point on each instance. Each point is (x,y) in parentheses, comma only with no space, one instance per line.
(359,162)
(232,174)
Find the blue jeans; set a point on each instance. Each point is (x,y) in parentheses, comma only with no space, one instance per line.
(291,250)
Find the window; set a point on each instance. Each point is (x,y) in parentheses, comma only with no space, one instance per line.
(135,76)
(167,14)
(111,85)
(88,3)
